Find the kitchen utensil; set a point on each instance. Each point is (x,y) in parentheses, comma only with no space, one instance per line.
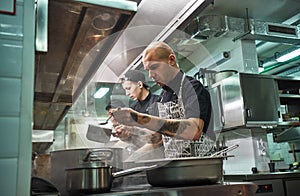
(98,134)
(185,171)
(224,74)
(82,180)
(210,77)
(222,152)
(105,122)
(70,158)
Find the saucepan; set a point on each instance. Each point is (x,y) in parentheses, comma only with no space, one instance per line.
(96,179)
(95,175)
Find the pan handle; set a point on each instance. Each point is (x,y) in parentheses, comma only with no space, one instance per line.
(133,170)
(230,148)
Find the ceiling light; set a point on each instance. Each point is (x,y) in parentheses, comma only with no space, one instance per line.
(101,92)
(288,56)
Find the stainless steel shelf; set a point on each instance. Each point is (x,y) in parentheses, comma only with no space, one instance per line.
(262,176)
(289,96)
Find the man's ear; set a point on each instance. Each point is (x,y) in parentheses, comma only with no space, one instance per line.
(172,59)
(140,84)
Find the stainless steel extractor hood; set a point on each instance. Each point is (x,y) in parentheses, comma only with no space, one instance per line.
(61,73)
(209,26)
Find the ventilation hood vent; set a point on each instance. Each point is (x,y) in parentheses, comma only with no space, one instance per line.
(75,28)
(216,26)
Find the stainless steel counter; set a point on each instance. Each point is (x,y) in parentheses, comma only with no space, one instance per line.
(224,189)
(271,184)
(262,176)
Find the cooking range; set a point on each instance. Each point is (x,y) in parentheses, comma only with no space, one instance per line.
(224,189)
(271,183)
(183,176)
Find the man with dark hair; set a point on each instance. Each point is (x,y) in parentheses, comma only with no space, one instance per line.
(135,87)
(134,84)
(149,144)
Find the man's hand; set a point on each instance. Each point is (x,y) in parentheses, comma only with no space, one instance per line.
(123,132)
(126,116)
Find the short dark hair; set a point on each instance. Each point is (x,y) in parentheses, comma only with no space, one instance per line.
(135,76)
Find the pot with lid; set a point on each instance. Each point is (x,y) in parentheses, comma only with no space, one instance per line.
(210,77)
(70,158)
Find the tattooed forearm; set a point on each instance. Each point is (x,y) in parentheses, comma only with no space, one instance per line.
(140,118)
(134,116)
(172,128)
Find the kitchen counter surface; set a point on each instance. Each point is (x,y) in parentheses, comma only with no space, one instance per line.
(262,176)
(224,189)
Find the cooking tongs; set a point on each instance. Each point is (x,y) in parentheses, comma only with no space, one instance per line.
(222,152)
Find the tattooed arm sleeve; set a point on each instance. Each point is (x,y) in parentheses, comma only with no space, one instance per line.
(182,128)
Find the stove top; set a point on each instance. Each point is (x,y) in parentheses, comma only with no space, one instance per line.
(224,189)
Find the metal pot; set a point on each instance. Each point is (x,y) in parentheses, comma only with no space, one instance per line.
(210,77)
(82,180)
(224,74)
(71,158)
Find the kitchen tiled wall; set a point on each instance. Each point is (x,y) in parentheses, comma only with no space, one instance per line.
(252,151)
(279,152)
(16,86)
(256,149)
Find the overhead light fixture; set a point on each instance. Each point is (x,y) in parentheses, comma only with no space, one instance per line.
(101,92)
(288,56)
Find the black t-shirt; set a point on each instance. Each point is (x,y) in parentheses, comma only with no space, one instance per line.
(142,106)
(195,97)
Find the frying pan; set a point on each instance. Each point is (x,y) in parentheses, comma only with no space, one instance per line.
(187,170)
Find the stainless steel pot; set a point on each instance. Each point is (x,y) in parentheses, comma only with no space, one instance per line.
(89,179)
(224,74)
(210,77)
(82,180)
(71,158)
